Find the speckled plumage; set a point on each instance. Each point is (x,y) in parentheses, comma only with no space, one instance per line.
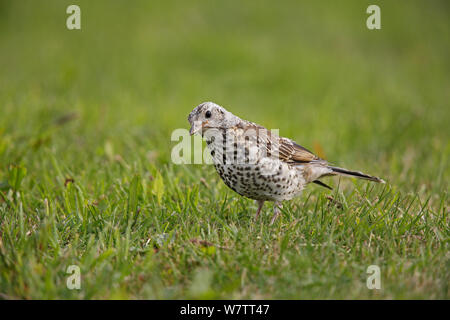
(257,163)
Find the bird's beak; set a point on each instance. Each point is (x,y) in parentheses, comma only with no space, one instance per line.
(196,126)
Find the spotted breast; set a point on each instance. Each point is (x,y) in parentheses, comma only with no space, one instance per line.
(243,161)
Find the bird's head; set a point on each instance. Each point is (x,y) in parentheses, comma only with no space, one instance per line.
(209,115)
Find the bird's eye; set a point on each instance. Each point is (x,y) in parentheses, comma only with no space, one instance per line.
(208,114)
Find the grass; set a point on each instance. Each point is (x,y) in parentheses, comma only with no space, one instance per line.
(86,176)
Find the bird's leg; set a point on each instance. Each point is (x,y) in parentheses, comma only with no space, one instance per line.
(276,211)
(260,205)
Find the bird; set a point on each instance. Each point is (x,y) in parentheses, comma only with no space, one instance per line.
(256,162)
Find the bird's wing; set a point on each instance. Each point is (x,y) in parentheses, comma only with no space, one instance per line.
(283,148)
(291,152)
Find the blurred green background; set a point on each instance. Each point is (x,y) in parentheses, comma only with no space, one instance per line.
(99,104)
(311,69)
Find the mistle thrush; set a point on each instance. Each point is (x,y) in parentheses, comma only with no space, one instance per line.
(255,162)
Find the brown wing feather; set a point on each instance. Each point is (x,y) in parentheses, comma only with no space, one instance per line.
(286,149)
(295,153)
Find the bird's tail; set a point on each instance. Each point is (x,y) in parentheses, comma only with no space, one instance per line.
(356,174)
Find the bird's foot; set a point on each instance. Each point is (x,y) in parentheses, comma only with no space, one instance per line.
(276,211)
(260,205)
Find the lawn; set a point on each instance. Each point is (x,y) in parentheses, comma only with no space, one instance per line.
(86,176)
